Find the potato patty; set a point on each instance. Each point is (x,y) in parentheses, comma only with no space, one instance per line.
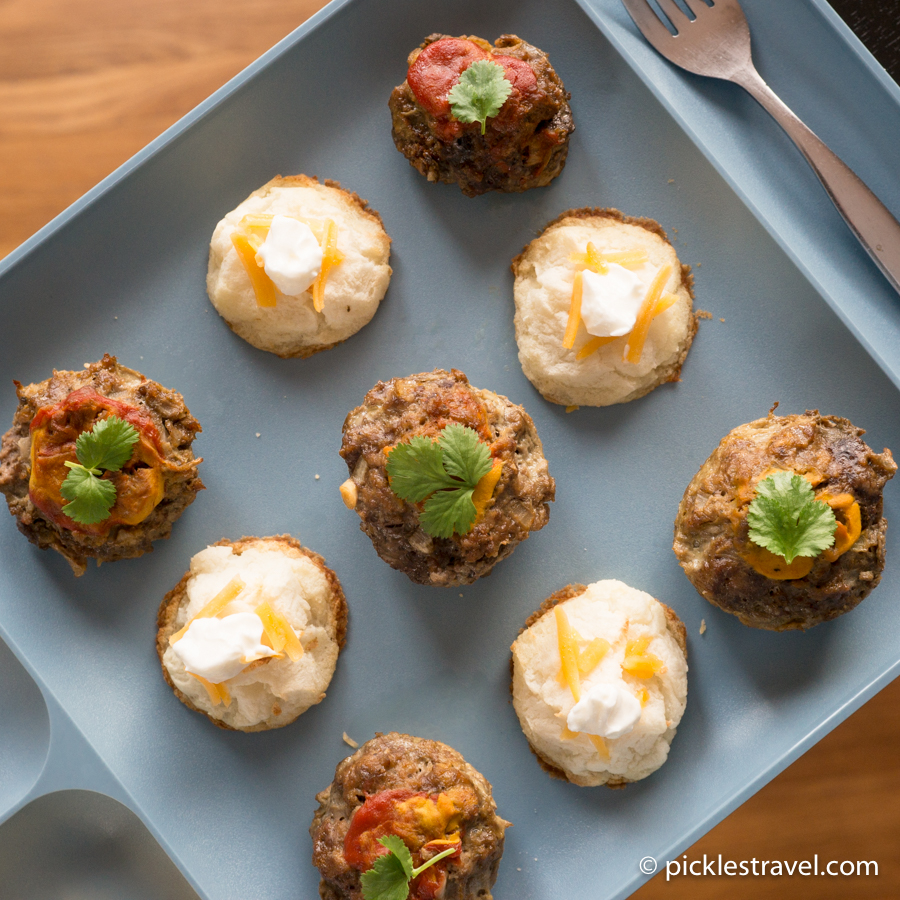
(712,534)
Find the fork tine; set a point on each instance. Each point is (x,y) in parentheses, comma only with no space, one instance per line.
(697,7)
(648,24)
(674,14)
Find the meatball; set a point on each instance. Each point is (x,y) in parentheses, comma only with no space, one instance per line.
(299,590)
(712,540)
(571,373)
(153,488)
(395,411)
(523,146)
(421,791)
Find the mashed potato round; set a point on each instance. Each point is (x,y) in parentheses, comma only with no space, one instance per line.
(353,289)
(296,583)
(617,613)
(543,295)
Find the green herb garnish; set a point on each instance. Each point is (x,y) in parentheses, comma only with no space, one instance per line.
(389,877)
(444,474)
(787,520)
(480,92)
(106,447)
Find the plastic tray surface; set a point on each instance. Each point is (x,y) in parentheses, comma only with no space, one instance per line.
(84,706)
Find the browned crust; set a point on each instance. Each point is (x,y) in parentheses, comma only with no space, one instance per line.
(302,353)
(711,526)
(313,181)
(391,761)
(674,625)
(174,599)
(177,429)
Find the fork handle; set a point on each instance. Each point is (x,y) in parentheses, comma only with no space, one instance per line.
(877,230)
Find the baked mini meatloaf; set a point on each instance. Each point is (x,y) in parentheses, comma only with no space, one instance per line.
(603,308)
(600,683)
(763,589)
(422,792)
(524,145)
(251,634)
(298,267)
(508,503)
(153,486)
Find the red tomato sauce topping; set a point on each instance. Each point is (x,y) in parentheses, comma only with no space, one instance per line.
(426,823)
(54,430)
(438,67)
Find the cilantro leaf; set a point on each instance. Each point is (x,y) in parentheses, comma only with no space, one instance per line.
(417,469)
(444,474)
(92,497)
(786,519)
(465,456)
(449,511)
(389,877)
(107,445)
(480,92)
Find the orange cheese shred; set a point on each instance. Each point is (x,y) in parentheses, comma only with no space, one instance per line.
(643,695)
(638,662)
(635,346)
(595,260)
(279,632)
(215,606)
(263,287)
(589,658)
(568,652)
(594,344)
(218,693)
(574,313)
(484,490)
(600,745)
(771,565)
(331,256)
(664,303)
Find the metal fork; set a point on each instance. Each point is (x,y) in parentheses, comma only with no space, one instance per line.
(717,43)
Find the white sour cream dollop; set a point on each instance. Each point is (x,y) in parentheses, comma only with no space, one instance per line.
(607,710)
(610,302)
(218,649)
(291,255)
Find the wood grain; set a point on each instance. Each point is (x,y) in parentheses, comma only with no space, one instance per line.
(84,85)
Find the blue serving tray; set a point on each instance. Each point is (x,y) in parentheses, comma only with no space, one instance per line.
(85,710)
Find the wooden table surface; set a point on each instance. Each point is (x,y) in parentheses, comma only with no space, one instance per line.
(84,84)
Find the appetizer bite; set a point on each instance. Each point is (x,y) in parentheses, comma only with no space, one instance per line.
(485,118)
(406,817)
(98,463)
(603,308)
(782,525)
(299,266)
(447,478)
(599,683)
(250,636)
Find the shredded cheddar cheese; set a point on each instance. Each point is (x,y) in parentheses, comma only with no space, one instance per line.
(218,693)
(331,256)
(215,606)
(279,632)
(594,344)
(484,490)
(635,346)
(250,236)
(638,662)
(574,313)
(601,746)
(568,652)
